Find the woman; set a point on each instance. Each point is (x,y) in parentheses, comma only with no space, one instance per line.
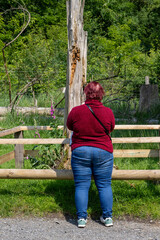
(92,153)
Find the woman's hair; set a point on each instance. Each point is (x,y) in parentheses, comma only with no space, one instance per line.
(94,90)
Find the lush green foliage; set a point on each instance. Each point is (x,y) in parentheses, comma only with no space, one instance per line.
(48,155)
(123,41)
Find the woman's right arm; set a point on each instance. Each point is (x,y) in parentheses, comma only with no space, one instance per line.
(112,121)
(70,121)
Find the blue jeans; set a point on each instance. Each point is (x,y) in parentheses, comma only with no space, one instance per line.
(86,161)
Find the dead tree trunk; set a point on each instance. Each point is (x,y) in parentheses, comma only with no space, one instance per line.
(77,55)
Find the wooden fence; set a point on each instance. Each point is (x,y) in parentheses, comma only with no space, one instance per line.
(19,153)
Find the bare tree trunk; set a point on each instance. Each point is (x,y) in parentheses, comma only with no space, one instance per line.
(76,62)
(77,56)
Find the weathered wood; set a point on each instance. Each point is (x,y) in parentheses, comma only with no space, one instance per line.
(146,80)
(136,140)
(32,153)
(9,131)
(25,128)
(149,97)
(28,128)
(7,157)
(35,141)
(137,127)
(19,150)
(28,110)
(77,55)
(68,175)
(117,127)
(136,174)
(118,153)
(66,141)
(135,153)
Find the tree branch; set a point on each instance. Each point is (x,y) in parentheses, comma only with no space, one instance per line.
(7,44)
(22,92)
(114,76)
(23,28)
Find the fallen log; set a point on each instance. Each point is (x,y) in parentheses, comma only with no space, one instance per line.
(28,110)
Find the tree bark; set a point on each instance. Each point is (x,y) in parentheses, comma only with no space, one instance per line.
(77,56)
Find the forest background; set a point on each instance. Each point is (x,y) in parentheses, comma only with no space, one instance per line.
(123,46)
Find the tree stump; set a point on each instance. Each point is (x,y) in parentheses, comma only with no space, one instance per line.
(149,97)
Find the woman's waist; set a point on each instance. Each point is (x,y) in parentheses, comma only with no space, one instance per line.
(105,145)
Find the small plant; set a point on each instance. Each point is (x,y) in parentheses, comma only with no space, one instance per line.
(48,155)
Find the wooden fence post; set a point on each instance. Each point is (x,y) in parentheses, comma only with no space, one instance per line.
(19,151)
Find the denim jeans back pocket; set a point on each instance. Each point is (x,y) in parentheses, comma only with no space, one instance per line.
(103,157)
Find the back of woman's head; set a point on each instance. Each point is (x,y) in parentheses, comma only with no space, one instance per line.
(94,90)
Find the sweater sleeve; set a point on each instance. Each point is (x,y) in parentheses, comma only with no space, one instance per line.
(70,120)
(112,121)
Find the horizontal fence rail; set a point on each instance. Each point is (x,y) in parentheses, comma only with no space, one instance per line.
(66,140)
(24,141)
(136,153)
(117,127)
(118,153)
(9,131)
(67,174)
(7,157)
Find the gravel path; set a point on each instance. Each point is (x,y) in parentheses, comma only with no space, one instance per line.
(62,229)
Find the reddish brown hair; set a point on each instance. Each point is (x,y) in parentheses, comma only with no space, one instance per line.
(94,91)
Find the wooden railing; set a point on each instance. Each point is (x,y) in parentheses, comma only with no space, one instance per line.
(19,153)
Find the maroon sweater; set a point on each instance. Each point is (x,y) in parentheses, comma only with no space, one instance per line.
(87,131)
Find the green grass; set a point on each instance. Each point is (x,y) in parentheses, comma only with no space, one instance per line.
(43,100)
(42,197)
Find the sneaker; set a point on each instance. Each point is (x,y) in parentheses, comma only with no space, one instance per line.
(107,221)
(82,222)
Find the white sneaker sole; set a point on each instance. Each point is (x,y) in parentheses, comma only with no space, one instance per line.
(108,225)
(81,226)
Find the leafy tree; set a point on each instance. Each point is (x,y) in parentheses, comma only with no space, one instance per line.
(123,44)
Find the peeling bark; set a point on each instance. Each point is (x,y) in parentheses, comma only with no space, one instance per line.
(77,56)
